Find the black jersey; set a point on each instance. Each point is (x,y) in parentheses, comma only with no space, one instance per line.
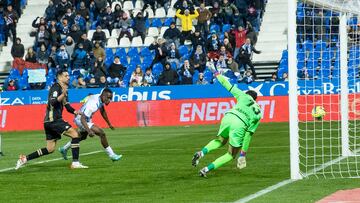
(55,108)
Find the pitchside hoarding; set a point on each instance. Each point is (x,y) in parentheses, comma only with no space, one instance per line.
(167,105)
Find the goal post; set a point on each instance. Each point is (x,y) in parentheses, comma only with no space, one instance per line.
(324,71)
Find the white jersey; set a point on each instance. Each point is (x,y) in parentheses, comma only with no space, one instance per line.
(91,106)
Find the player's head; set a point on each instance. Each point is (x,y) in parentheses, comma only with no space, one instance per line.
(106,96)
(252,93)
(63,76)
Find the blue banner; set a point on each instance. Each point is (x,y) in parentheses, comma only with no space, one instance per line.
(180,92)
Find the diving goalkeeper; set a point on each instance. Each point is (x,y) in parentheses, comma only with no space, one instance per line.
(237,126)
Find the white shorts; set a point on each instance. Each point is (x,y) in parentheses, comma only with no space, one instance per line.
(78,123)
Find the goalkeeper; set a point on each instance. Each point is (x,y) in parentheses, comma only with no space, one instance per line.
(237,126)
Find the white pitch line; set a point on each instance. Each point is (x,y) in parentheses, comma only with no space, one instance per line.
(46,161)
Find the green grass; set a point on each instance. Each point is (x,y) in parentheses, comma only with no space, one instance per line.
(156,167)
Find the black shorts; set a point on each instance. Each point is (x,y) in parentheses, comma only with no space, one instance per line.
(55,129)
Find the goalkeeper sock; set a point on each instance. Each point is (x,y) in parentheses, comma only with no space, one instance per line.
(37,154)
(220,161)
(212,145)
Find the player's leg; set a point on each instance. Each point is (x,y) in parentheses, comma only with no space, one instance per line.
(50,146)
(104,142)
(221,140)
(75,147)
(64,149)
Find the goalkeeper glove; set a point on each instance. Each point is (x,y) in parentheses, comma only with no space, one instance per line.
(241,162)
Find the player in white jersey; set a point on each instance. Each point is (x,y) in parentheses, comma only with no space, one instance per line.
(87,127)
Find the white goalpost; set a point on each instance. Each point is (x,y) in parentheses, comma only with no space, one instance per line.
(324,71)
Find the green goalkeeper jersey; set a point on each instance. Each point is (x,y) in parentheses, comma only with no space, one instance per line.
(246,108)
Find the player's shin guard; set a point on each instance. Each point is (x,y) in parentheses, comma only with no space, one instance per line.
(212,145)
(75,148)
(220,161)
(38,153)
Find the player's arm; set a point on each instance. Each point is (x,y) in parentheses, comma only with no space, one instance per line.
(233,89)
(241,162)
(104,115)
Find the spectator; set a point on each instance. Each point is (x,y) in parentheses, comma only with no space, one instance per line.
(244,57)
(98,51)
(50,11)
(252,17)
(61,8)
(248,78)
(139,24)
(42,37)
(252,35)
(149,4)
(69,46)
(160,51)
(233,66)
(198,59)
(197,39)
(228,46)
(137,75)
(213,45)
(11,19)
(79,82)
(99,68)
(99,36)
(216,15)
(79,57)
(116,71)
(145,84)
(69,16)
(229,12)
(41,22)
(204,17)
(168,76)
(173,55)
(186,23)
(80,22)
(54,37)
(285,77)
(107,19)
(172,34)
(124,26)
(201,80)
(240,38)
(187,72)
(231,38)
(224,52)
(100,5)
(52,57)
(17,50)
(86,43)
(242,6)
(274,78)
(183,5)
(102,82)
(92,83)
(31,55)
(149,77)
(42,55)
(133,83)
(64,28)
(221,65)
(83,11)
(75,33)
(62,59)
(11,85)
(117,15)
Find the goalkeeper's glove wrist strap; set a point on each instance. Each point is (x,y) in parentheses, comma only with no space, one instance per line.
(242,153)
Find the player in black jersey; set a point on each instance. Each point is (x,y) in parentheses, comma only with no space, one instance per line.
(54,124)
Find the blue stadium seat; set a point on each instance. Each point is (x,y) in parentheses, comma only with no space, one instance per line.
(133,51)
(208,75)
(121,52)
(308,45)
(324,73)
(156,22)
(168,21)
(157,69)
(312,64)
(311,72)
(124,61)
(14,73)
(195,76)
(226,28)
(183,50)
(173,66)
(300,65)
(135,59)
(23,83)
(336,73)
(215,28)
(25,72)
(145,52)
(326,64)
(320,45)
(109,52)
(147,23)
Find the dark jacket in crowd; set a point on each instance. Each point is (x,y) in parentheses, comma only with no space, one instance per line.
(99,36)
(116,70)
(17,50)
(187,75)
(168,77)
(139,23)
(172,33)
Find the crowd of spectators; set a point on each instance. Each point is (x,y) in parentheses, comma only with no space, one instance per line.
(221,33)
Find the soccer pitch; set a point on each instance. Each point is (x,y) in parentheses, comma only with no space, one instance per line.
(156,167)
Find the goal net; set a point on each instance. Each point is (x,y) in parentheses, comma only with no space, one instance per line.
(326,50)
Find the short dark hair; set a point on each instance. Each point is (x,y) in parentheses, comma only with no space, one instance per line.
(106,90)
(252,93)
(60,72)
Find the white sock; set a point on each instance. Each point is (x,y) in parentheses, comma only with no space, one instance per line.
(201,154)
(206,169)
(67,145)
(109,151)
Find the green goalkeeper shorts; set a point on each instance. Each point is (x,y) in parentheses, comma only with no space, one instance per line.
(233,128)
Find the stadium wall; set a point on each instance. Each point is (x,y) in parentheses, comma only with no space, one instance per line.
(168,105)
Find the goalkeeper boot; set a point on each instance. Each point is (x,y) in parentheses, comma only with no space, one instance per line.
(196,158)
(203,172)
(22,161)
(63,152)
(77,165)
(115,157)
